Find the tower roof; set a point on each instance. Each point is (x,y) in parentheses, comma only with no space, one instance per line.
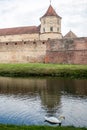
(50,12)
(70,34)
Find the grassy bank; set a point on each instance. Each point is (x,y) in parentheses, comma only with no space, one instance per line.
(13,127)
(25,70)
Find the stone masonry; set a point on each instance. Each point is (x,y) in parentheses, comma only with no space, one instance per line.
(67,51)
(22,52)
(62,51)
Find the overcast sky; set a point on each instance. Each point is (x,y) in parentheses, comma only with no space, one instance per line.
(16,13)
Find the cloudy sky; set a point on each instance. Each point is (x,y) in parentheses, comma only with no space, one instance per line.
(15,13)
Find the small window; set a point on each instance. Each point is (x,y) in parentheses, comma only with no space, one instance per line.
(15,43)
(6,43)
(43,21)
(43,42)
(43,29)
(34,42)
(58,29)
(24,42)
(51,29)
(58,21)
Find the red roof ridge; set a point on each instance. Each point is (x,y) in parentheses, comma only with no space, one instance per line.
(17,27)
(19,30)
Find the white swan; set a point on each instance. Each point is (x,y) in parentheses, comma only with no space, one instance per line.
(54,120)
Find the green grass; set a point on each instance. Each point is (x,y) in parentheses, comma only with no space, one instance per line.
(33,69)
(13,127)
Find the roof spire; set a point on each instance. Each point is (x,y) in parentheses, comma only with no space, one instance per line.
(50,2)
(50,12)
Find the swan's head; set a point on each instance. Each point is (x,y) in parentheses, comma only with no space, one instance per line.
(62,117)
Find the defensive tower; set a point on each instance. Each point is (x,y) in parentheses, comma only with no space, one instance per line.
(50,25)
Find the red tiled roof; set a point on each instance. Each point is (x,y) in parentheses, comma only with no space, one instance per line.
(19,30)
(50,12)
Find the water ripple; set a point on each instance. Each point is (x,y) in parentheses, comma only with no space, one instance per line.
(29,101)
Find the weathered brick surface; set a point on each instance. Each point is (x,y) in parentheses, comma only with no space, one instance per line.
(65,51)
(71,51)
(67,57)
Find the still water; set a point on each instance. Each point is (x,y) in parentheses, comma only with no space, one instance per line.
(28,100)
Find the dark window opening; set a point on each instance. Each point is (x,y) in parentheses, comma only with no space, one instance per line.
(43,42)
(6,43)
(58,21)
(24,42)
(51,29)
(15,43)
(44,21)
(58,29)
(34,42)
(43,29)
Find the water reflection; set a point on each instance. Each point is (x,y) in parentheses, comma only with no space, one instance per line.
(27,100)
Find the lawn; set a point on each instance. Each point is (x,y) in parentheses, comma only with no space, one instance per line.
(39,69)
(13,127)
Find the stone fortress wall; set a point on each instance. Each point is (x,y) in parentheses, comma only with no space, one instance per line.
(22,51)
(20,37)
(67,51)
(63,51)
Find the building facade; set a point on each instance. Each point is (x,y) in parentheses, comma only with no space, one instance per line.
(42,44)
(50,27)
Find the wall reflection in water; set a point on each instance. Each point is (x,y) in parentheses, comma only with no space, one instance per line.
(49,90)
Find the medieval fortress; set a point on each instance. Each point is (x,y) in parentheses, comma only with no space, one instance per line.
(43,43)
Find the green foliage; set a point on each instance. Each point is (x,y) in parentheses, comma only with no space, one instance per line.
(39,69)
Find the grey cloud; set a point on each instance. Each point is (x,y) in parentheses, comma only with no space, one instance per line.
(25,12)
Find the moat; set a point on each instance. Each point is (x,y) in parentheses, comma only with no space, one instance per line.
(28,100)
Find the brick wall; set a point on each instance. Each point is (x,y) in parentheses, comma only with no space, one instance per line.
(67,51)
